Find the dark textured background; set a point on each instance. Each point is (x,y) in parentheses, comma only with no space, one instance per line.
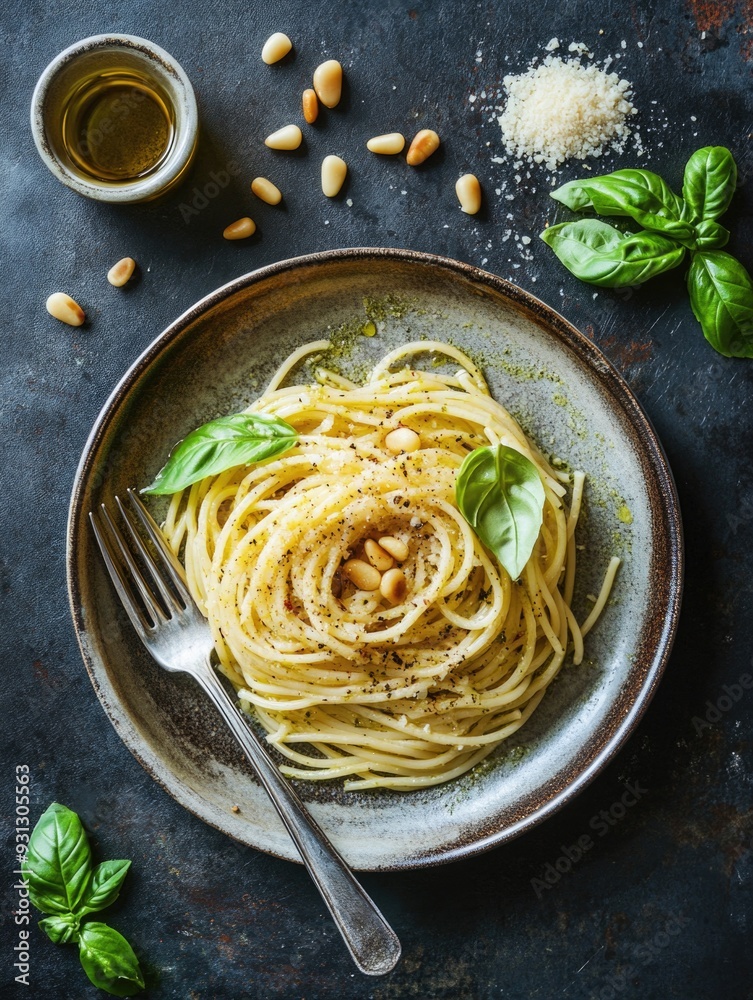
(661,906)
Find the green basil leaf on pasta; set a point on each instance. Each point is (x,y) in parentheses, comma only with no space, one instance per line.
(58,861)
(109,961)
(637,194)
(104,888)
(61,929)
(240,439)
(598,253)
(709,182)
(721,295)
(500,493)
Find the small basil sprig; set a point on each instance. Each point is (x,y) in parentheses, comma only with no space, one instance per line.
(62,882)
(598,253)
(721,290)
(499,493)
(240,439)
(721,295)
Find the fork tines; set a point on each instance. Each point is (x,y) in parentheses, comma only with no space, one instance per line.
(136,578)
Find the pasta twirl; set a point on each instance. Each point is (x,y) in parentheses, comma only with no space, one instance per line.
(347,684)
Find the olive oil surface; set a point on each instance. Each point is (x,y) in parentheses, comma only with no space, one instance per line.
(117,126)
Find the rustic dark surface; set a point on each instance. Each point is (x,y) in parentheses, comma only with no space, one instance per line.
(661,905)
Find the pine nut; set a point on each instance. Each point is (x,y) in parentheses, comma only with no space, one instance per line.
(266,190)
(328,83)
(240,229)
(389,144)
(122,272)
(468,190)
(64,308)
(395,546)
(402,439)
(334,171)
(393,586)
(276,48)
(362,575)
(287,137)
(377,556)
(425,143)
(310,106)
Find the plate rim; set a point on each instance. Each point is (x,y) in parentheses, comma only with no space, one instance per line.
(553,323)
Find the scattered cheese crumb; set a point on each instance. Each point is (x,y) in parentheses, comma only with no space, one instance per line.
(552,44)
(562,109)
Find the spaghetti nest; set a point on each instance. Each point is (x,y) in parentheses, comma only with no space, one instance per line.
(347,683)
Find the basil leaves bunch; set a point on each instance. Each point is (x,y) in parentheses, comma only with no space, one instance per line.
(240,439)
(499,493)
(63,883)
(721,290)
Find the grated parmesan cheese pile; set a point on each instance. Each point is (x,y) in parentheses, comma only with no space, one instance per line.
(561,109)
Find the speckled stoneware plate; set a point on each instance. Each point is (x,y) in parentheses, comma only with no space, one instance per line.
(215,359)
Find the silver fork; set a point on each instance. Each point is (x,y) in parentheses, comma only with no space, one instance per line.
(174,631)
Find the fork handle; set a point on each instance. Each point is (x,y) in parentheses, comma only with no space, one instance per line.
(370,939)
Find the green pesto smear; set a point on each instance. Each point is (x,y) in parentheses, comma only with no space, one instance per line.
(388,307)
(624,514)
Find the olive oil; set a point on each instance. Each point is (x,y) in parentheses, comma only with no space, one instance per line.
(117,125)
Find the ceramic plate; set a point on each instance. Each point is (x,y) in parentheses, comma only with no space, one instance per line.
(214,360)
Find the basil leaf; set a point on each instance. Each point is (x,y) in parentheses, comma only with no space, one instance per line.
(62,929)
(721,294)
(240,439)
(711,235)
(58,861)
(500,494)
(109,961)
(105,884)
(574,195)
(598,253)
(709,182)
(639,194)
